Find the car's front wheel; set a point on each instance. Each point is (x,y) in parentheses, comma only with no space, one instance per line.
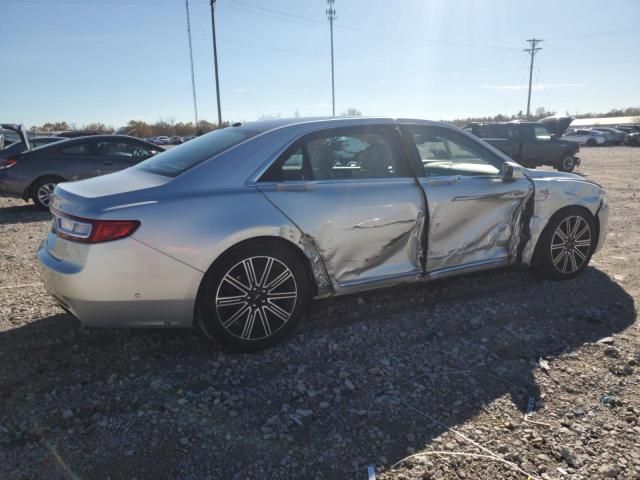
(254,296)
(592,142)
(566,244)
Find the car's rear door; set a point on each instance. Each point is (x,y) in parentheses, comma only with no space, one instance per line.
(351,192)
(72,160)
(473,211)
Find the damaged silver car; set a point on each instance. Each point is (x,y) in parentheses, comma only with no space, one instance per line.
(238,230)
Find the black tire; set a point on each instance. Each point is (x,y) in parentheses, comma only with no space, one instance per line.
(558,259)
(567,163)
(263,316)
(591,142)
(42,189)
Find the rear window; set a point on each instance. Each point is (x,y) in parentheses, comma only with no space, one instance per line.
(178,160)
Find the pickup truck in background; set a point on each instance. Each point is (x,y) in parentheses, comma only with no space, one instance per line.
(532,144)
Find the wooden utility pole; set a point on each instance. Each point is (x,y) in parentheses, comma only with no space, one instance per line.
(531,51)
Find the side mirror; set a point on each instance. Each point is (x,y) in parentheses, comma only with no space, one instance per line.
(511,172)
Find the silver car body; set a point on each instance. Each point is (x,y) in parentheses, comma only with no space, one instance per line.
(356,235)
(584,136)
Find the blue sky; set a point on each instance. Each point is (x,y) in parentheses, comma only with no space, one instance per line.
(113,60)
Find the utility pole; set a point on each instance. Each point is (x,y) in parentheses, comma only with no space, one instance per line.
(331,16)
(212,3)
(531,51)
(193,78)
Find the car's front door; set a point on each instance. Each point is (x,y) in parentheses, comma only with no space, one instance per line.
(474,212)
(350,190)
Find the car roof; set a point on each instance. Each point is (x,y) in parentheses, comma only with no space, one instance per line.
(263,126)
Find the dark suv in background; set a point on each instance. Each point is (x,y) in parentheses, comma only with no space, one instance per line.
(532,144)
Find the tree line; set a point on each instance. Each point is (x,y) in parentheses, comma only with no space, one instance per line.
(170,128)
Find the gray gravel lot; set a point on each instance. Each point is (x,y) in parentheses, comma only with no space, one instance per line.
(449,367)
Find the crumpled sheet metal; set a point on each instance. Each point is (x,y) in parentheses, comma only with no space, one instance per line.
(553,194)
(351,252)
(469,230)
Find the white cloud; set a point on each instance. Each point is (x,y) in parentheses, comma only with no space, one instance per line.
(534,87)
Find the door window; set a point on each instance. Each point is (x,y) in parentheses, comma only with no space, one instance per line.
(445,153)
(542,133)
(340,155)
(77,149)
(122,148)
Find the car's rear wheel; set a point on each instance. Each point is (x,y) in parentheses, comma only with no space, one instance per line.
(42,191)
(567,164)
(592,142)
(254,296)
(566,244)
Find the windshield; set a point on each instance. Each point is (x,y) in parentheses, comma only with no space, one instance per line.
(186,156)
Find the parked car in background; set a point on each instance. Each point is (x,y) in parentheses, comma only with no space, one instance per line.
(633,134)
(20,146)
(532,144)
(617,137)
(35,173)
(176,140)
(162,140)
(237,230)
(582,136)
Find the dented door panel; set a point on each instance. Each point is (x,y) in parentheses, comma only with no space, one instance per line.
(365,231)
(474,220)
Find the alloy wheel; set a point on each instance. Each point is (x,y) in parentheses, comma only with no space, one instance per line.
(571,244)
(256,298)
(45,193)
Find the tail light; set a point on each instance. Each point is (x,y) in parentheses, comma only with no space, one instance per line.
(7,163)
(85,230)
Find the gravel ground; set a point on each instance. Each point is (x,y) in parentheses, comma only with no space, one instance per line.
(541,375)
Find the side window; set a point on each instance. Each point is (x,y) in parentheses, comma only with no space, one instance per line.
(542,133)
(77,149)
(356,155)
(293,167)
(446,153)
(122,148)
(338,155)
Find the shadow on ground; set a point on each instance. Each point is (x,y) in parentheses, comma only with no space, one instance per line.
(341,394)
(26,213)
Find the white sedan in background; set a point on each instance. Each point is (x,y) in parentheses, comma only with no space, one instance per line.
(591,138)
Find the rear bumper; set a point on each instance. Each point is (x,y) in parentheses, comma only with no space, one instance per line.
(122,283)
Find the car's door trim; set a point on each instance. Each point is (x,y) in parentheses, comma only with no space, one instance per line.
(468,267)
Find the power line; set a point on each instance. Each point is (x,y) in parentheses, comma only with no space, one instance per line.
(532,51)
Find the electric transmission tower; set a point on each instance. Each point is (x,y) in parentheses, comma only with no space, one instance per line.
(531,51)
(331,16)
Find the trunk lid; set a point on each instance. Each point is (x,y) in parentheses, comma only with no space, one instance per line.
(90,198)
(19,130)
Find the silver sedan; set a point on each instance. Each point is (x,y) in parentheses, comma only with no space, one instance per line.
(238,230)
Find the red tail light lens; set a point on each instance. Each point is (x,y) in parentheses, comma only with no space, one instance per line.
(7,163)
(107,230)
(85,230)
